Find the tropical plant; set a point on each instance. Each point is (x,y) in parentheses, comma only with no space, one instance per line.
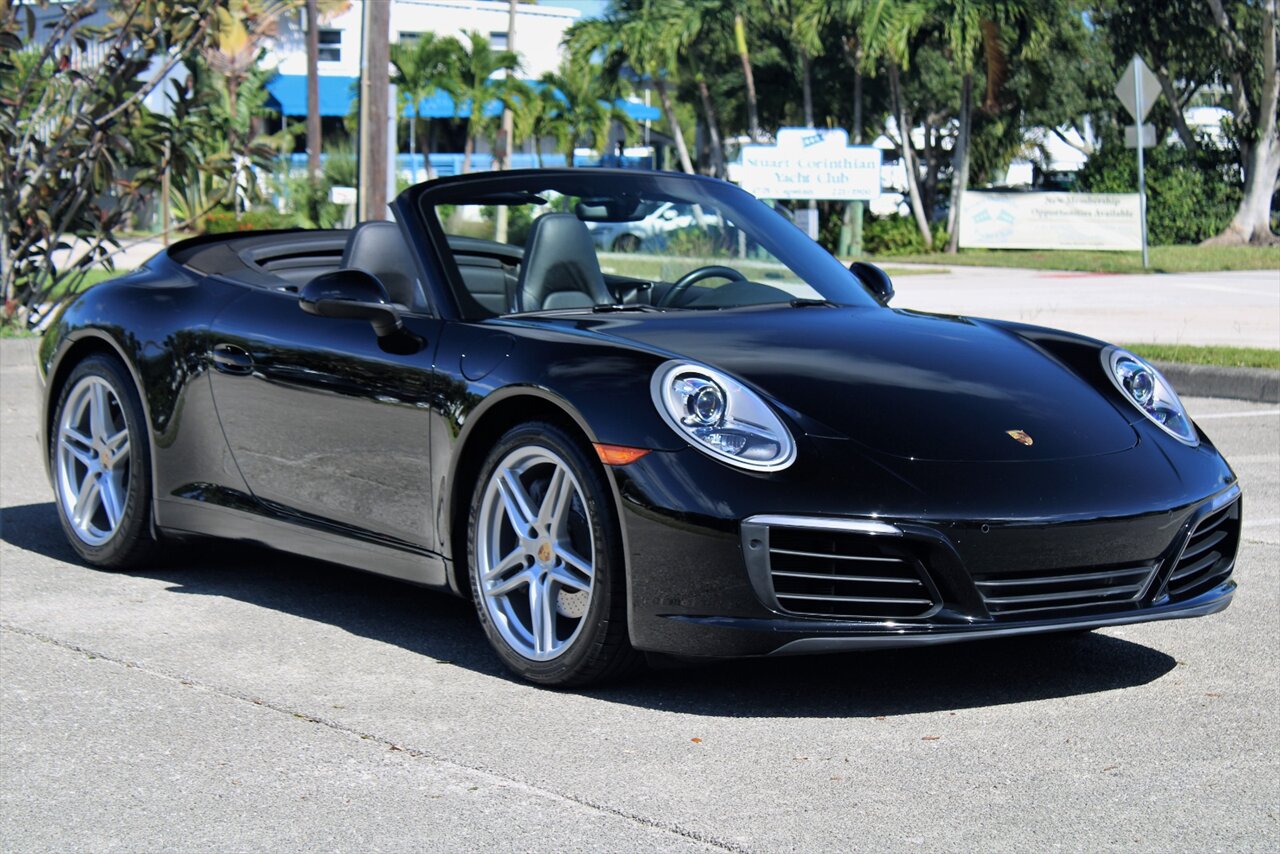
(479,87)
(581,106)
(81,154)
(537,113)
(423,67)
(638,36)
(226,153)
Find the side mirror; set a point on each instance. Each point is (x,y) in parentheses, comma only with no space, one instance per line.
(874,278)
(352,294)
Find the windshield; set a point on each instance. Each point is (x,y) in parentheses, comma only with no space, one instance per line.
(593,240)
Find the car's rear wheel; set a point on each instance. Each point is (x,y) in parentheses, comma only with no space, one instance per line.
(626,243)
(546,560)
(100,458)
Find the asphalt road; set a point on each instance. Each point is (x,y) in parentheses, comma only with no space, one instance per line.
(238,699)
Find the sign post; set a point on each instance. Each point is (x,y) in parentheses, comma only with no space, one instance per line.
(1137,90)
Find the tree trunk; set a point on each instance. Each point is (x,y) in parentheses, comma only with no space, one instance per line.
(413,147)
(676,133)
(467,148)
(426,151)
(753,114)
(1261,156)
(960,164)
(1175,111)
(806,85)
(908,156)
(314,143)
(713,129)
(1252,220)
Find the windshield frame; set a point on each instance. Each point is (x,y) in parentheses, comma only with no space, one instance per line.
(812,264)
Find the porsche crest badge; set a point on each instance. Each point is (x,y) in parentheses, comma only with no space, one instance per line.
(1020,436)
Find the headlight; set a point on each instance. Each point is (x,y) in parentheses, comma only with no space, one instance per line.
(721,417)
(1150,392)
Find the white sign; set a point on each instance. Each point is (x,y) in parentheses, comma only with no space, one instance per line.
(1131,136)
(809,163)
(342,195)
(1109,221)
(1149,82)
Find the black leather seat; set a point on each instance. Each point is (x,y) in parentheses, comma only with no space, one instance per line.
(379,248)
(560,268)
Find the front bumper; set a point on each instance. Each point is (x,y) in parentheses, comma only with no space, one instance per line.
(697,585)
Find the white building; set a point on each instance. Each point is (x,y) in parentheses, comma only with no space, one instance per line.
(539,31)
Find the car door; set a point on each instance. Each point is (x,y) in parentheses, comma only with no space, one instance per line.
(324,424)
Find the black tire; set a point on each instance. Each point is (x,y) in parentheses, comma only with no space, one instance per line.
(130,543)
(626,243)
(599,649)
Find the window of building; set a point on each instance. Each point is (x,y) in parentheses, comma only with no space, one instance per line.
(498,40)
(330,46)
(409,38)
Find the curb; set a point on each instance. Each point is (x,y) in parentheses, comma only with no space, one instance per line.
(1258,385)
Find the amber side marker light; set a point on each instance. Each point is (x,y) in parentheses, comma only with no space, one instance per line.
(618,455)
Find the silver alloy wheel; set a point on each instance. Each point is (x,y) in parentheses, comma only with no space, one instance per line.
(92,460)
(535,553)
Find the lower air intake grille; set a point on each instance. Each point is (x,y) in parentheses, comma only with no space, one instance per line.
(1208,557)
(835,573)
(1063,589)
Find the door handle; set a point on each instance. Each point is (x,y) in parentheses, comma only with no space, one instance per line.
(231,359)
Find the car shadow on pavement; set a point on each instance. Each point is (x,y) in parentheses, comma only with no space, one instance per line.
(867,684)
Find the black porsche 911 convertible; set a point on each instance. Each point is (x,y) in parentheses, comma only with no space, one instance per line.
(723,444)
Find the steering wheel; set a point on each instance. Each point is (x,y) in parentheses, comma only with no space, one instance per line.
(692,277)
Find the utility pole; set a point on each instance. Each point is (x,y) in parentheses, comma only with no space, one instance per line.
(313,105)
(375,92)
(503,159)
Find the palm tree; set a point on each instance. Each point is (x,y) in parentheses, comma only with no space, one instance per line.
(740,43)
(478,62)
(423,67)
(640,36)
(803,23)
(240,31)
(536,114)
(702,27)
(974,30)
(316,12)
(581,104)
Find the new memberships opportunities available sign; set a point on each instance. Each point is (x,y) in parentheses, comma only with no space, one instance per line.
(1051,221)
(809,163)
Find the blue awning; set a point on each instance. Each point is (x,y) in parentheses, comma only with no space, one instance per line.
(289,97)
(289,94)
(441,106)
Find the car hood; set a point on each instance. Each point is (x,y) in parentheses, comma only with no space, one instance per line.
(902,383)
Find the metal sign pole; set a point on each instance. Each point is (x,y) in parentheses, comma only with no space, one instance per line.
(1142,177)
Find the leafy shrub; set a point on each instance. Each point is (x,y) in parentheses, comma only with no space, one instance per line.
(1189,197)
(897,235)
(222,222)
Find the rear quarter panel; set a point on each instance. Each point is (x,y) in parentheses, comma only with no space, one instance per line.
(156,322)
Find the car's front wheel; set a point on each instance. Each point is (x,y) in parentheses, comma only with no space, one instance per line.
(546,560)
(100,458)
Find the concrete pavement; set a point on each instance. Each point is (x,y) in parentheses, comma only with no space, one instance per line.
(232,698)
(1238,309)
